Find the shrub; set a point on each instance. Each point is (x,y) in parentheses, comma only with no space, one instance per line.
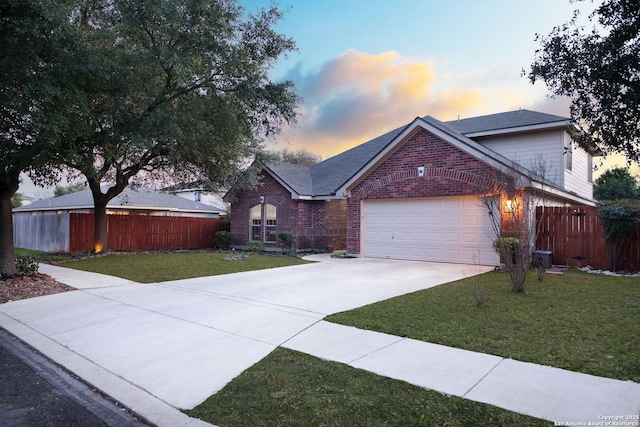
(26,265)
(619,219)
(255,246)
(223,240)
(506,245)
(288,241)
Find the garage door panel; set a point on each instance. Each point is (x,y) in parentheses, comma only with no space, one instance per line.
(449,229)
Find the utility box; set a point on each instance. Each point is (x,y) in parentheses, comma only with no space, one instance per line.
(542,259)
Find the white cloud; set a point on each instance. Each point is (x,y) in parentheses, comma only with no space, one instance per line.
(358,96)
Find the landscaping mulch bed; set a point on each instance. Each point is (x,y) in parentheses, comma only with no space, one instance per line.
(23,286)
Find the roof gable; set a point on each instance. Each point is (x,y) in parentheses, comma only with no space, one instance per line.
(444,132)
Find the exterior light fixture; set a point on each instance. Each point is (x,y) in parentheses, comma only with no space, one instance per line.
(510,206)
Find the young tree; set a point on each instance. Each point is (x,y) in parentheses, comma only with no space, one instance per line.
(37,74)
(599,70)
(511,200)
(184,93)
(616,184)
(619,219)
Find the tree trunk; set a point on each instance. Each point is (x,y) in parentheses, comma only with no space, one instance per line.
(100,223)
(8,187)
(100,201)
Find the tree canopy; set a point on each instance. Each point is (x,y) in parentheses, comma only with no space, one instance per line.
(119,90)
(180,90)
(616,184)
(599,70)
(61,190)
(37,81)
(299,157)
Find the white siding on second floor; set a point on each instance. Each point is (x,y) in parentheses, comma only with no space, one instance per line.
(577,179)
(527,147)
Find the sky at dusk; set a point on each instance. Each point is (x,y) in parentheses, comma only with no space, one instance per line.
(364,67)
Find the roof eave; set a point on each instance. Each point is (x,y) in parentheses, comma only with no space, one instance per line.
(558,192)
(518,129)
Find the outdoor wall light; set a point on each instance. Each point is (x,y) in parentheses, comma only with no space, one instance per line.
(421,171)
(510,206)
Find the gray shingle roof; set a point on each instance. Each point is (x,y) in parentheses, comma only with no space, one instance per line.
(139,198)
(324,178)
(297,177)
(499,121)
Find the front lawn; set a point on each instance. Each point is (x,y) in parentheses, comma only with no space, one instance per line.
(581,322)
(288,388)
(162,267)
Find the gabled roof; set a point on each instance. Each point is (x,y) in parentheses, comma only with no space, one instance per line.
(448,134)
(332,177)
(139,198)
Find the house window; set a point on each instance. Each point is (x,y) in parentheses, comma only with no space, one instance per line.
(263,223)
(270,223)
(590,168)
(568,154)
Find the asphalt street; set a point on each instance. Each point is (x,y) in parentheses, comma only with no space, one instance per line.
(36,392)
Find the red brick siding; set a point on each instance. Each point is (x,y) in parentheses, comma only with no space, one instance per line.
(274,194)
(316,224)
(449,171)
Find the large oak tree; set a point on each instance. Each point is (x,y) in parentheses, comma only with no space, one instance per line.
(599,70)
(38,56)
(185,92)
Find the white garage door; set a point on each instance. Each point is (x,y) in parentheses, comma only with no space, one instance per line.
(447,229)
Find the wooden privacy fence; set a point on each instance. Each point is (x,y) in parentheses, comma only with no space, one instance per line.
(574,236)
(74,232)
(133,232)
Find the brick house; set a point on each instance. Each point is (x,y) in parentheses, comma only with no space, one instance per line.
(412,192)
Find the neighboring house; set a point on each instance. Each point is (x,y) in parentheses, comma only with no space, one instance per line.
(137,219)
(197,193)
(412,192)
(138,201)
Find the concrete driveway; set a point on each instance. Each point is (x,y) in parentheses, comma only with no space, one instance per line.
(182,341)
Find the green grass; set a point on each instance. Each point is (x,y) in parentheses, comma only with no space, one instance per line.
(293,389)
(150,268)
(581,322)
(40,256)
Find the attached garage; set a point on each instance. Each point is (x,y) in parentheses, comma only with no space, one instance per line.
(443,229)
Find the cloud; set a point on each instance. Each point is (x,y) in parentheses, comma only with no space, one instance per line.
(358,96)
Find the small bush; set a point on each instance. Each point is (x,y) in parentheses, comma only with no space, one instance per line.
(223,240)
(255,246)
(287,240)
(506,245)
(26,265)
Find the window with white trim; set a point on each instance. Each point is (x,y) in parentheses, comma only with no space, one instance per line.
(568,154)
(263,223)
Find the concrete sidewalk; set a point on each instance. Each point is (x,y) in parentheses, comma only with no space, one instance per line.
(540,391)
(158,347)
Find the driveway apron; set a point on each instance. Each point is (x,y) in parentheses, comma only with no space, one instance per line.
(182,341)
